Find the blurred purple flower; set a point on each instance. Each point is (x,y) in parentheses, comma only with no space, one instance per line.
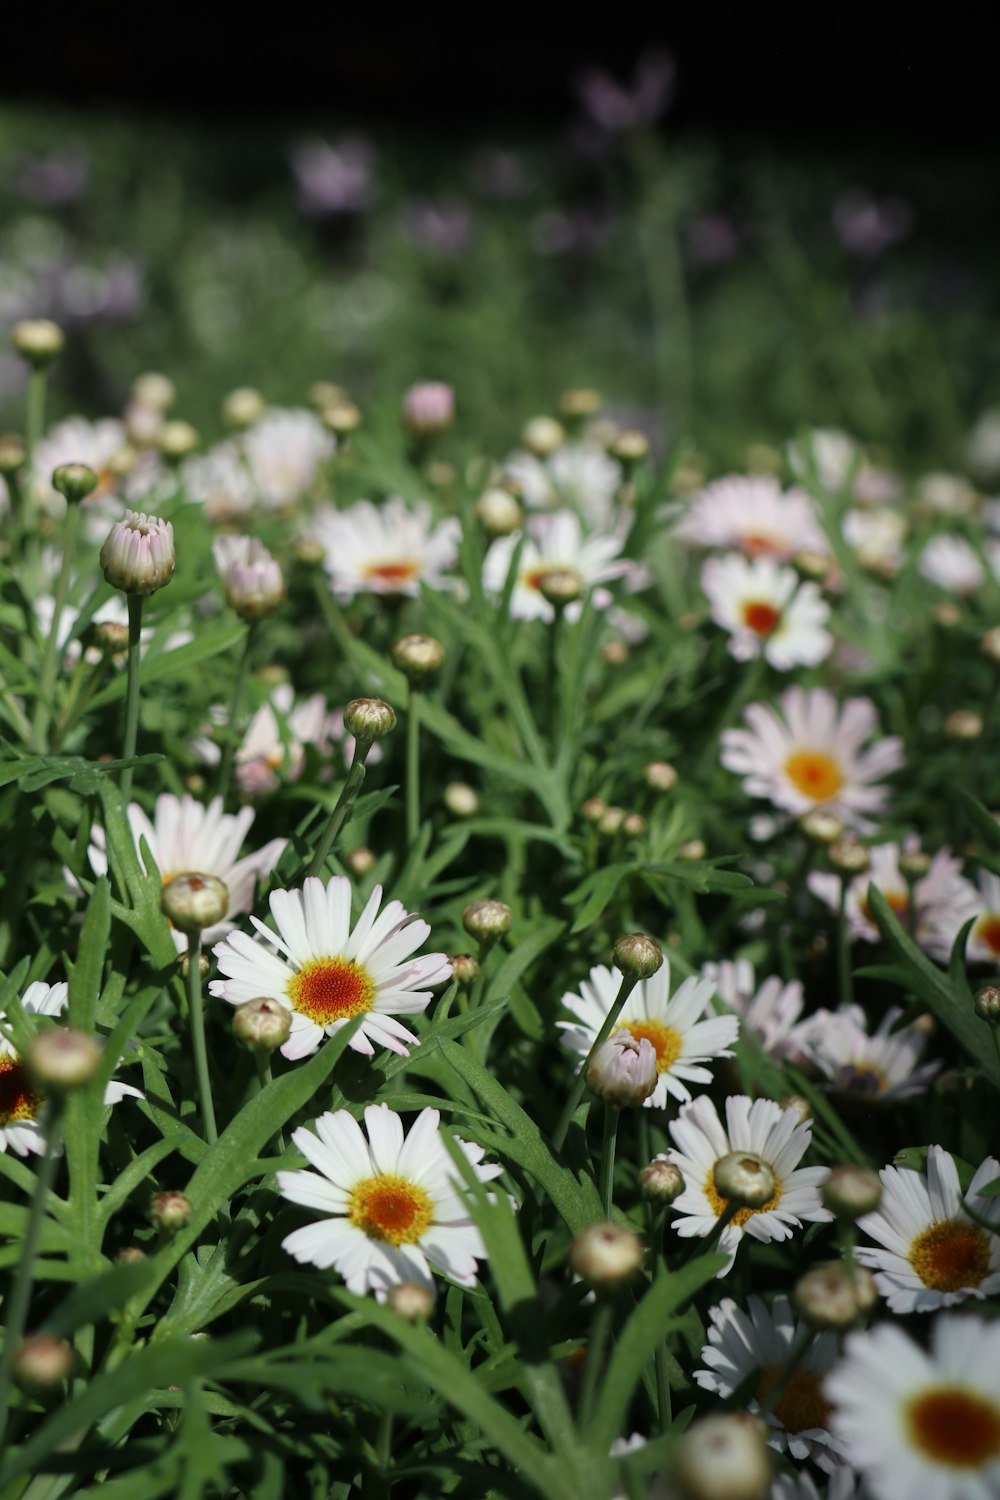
(50,181)
(869,226)
(500,174)
(334,179)
(712,239)
(616,108)
(444,227)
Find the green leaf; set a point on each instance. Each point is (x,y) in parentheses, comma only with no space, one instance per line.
(96,1297)
(980,817)
(596,893)
(211,640)
(85,974)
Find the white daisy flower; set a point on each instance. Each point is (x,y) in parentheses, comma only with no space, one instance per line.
(762,1339)
(955,566)
(387,549)
(186,837)
(22,1107)
(674,1025)
(934,1254)
(273,748)
(876,538)
(770,1011)
(767,611)
(942,899)
(842,1484)
(948,494)
(777,1136)
(332,972)
(881,1067)
(393,1207)
(556,542)
(220,481)
(830,451)
(921,1426)
(810,755)
(284,453)
(582,476)
(753,515)
(984,904)
(77,441)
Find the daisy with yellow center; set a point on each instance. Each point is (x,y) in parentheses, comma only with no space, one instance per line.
(934,1255)
(761,1341)
(387,549)
(326,972)
(682,1040)
(921,1425)
(811,752)
(767,611)
(558,543)
(392,1207)
(883,1066)
(779,1137)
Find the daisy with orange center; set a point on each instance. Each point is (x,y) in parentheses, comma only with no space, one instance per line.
(942,899)
(811,752)
(752,514)
(934,1254)
(767,611)
(326,972)
(387,549)
(558,542)
(392,1207)
(681,1036)
(921,1425)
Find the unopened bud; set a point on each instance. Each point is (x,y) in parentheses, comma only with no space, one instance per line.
(369,719)
(38,340)
(542,436)
(692,850)
(560,586)
(42,1362)
(169,1211)
(242,408)
(593,809)
(989,645)
(745,1178)
(848,856)
(74,482)
(154,390)
(131,1255)
(309,552)
(412,1300)
(834,1295)
(849,1192)
(12,454)
(418,657)
(464,969)
(614,653)
(487,920)
(633,825)
(604,1255)
(660,776)
(947,615)
(963,724)
(812,565)
(821,826)
(630,446)
(623,1070)
(801,1106)
(428,408)
(637,956)
(251,578)
(360,861)
(987,1005)
(122,462)
(461,800)
(661,1181)
(611,820)
(61,1058)
(582,402)
(324,393)
(204,964)
(177,440)
(914,863)
(263,1024)
(192,901)
(498,512)
(138,556)
(341,418)
(723,1458)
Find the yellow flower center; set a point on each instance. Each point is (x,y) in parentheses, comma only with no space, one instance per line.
(665,1041)
(898,901)
(392,572)
(391,1208)
(862,1078)
(719,1204)
(960,1429)
(756,544)
(815,774)
(951,1255)
(987,930)
(801,1404)
(331,989)
(760,617)
(18,1100)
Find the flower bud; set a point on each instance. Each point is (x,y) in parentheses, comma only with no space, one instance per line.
(38,340)
(947,615)
(323,393)
(963,724)
(629,446)
(177,440)
(309,552)
(611,820)
(110,638)
(360,861)
(74,482)
(560,586)
(154,390)
(418,657)
(723,1458)
(821,826)
(242,408)
(498,512)
(439,474)
(487,920)
(251,577)
(131,1255)
(829,1296)
(914,864)
(542,436)
(341,418)
(582,402)
(412,1300)
(801,1106)
(660,776)
(848,856)
(192,901)
(169,1211)
(61,1058)
(745,1178)
(813,565)
(12,454)
(138,556)
(263,1024)
(614,653)
(633,825)
(42,1362)
(987,1005)
(464,969)
(204,965)
(461,800)
(692,850)
(637,956)
(122,462)
(604,1255)
(849,1192)
(428,408)
(661,1181)
(622,1071)
(143,425)
(369,719)
(989,645)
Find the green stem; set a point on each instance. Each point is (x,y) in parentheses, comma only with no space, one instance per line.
(16,1310)
(844,975)
(600,1330)
(196,1019)
(235,715)
(263,1061)
(345,802)
(50,661)
(135,603)
(663,1402)
(607,1187)
(412,767)
(625,989)
(33,428)
(846,1237)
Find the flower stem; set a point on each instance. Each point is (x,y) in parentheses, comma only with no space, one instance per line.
(16,1310)
(135,603)
(412,767)
(600,1330)
(345,802)
(235,715)
(33,427)
(263,1061)
(844,949)
(50,661)
(625,989)
(196,1020)
(607,1189)
(663,1402)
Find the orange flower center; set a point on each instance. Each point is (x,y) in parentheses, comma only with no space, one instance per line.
(393,572)
(666,1042)
(899,901)
(391,1208)
(815,774)
(18,1101)
(760,617)
(756,544)
(331,989)
(719,1204)
(987,930)
(801,1404)
(960,1429)
(951,1255)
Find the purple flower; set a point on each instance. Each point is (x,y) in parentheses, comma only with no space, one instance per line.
(869,226)
(334,179)
(444,227)
(614,107)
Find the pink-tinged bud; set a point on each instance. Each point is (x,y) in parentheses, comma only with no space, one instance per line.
(661,1181)
(138,556)
(251,578)
(428,408)
(623,1071)
(42,1362)
(61,1058)
(262,1024)
(170,1211)
(193,901)
(412,1300)
(834,1295)
(606,1254)
(723,1458)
